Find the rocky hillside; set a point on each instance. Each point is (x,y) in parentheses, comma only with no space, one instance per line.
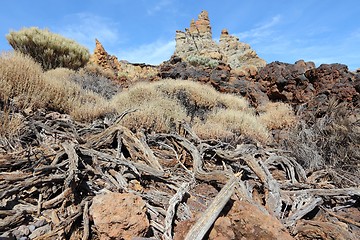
(212,144)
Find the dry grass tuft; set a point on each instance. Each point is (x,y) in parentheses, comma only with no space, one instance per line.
(21,81)
(232,121)
(277,115)
(67,96)
(24,85)
(10,126)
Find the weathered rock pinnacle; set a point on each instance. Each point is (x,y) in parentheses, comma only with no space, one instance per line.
(197,41)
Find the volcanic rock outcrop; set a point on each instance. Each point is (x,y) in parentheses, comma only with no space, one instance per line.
(197,42)
(122,71)
(303,83)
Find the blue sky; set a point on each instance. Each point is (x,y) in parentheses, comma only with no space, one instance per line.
(323,31)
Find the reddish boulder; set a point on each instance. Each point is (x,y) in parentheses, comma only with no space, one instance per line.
(308,229)
(119,216)
(242,221)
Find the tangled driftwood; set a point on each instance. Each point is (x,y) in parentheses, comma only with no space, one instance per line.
(63,164)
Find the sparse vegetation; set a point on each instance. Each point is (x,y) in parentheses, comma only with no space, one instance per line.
(24,85)
(197,60)
(10,126)
(330,142)
(21,81)
(67,96)
(276,115)
(214,115)
(49,49)
(95,82)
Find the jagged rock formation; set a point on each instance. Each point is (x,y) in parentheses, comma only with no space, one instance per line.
(197,41)
(124,72)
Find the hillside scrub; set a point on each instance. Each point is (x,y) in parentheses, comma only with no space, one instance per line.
(21,81)
(24,85)
(161,105)
(329,140)
(65,95)
(49,49)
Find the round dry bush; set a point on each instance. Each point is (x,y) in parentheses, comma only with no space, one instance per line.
(277,115)
(240,123)
(158,115)
(21,80)
(49,49)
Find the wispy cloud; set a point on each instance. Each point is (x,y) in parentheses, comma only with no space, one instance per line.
(260,31)
(85,27)
(152,53)
(160,5)
(274,41)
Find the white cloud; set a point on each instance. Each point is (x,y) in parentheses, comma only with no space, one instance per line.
(160,5)
(85,27)
(274,43)
(152,53)
(261,31)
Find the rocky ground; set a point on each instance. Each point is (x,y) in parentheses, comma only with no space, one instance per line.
(63,179)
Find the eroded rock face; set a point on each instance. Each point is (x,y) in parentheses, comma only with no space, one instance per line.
(119,216)
(197,41)
(124,73)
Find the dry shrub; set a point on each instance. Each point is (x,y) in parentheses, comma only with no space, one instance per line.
(201,95)
(329,140)
(276,115)
(10,126)
(160,115)
(160,105)
(21,81)
(234,121)
(67,96)
(95,69)
(49,49)
(96,82)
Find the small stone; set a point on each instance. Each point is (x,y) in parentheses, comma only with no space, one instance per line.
(17,234)
(31,227)
(40,231)
(24,230)
(119,216)
(40,223)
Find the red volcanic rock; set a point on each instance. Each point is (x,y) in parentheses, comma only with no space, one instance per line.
(243,221)
(119,215)
(333,80)
(303,83)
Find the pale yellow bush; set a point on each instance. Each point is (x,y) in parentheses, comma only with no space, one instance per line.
(66,96)
(10,125)
(49,49)
(21,80)
(161,105)
(277,115)
(236,122)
